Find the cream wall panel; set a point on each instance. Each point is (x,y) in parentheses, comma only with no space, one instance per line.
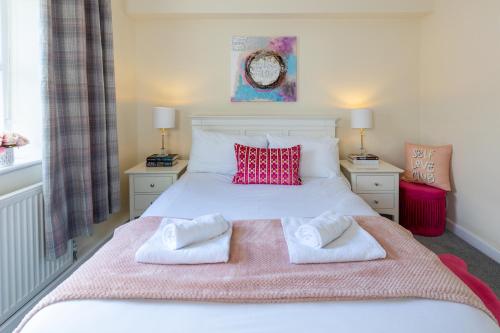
(342,63)
(298,7)
(461,105)
(126,106)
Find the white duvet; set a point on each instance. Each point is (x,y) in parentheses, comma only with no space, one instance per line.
(198,194)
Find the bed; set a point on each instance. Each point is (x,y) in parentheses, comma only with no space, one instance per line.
(200,193)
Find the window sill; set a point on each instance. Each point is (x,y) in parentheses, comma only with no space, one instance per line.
(19,164)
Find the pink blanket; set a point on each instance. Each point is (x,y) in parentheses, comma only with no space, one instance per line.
(259,271)
(479,287)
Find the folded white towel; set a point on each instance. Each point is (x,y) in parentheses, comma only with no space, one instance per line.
(154,250)
(323,229)
(355,244)
(180,233)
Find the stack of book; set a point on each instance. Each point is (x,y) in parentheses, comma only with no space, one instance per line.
(364,161)
(157,160)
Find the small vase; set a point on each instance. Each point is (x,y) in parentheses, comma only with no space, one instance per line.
(7,157)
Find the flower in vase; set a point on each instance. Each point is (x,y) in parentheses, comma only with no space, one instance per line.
(13,140)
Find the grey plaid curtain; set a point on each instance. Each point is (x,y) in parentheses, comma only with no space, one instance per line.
(80,157)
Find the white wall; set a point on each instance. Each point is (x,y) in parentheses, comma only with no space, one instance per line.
(460,104)
(342,63)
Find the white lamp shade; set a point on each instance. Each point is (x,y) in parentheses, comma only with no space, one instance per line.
(361,118)
(163,117)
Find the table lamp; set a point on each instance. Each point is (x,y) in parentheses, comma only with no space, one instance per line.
(362,119)
(163,118)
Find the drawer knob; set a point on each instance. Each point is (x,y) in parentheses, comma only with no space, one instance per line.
(151,185)
(375,202)
(376,184)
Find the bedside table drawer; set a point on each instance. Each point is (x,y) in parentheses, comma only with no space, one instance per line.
(146,184)
(375,183)
(143,201)
(379,200)
(152,184)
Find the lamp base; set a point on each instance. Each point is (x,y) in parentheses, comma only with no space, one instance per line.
(362,150)
(163,150)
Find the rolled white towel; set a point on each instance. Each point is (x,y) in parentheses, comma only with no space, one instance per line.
(323,229)
(179,234)
(355,244)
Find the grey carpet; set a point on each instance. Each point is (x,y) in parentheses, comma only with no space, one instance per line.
(480,265)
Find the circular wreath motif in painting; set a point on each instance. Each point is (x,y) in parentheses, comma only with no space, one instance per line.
(265,69)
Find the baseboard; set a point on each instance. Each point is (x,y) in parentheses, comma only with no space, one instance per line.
(11,323)
(474,240)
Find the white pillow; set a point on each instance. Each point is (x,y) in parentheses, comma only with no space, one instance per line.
(214,151)
(319,157)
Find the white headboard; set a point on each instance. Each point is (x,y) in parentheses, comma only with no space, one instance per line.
(260,125)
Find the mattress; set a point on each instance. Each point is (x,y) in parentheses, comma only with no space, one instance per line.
(200,193)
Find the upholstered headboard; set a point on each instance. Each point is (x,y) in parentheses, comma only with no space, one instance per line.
(259,125)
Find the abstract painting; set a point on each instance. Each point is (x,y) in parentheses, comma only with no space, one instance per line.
(264,69)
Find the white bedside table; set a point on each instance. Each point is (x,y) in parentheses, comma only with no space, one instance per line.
(379,187)
(146,184)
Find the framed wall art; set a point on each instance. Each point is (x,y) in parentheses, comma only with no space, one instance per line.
(264,69)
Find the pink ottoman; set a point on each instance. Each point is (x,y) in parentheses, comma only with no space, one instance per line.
(422,209)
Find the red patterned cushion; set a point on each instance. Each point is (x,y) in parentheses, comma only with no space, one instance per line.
(278,166)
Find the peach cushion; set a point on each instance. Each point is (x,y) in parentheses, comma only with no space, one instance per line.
(428,165)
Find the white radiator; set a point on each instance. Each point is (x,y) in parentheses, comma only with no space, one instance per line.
(24,271)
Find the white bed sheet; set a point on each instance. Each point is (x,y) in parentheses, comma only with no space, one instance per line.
(197,194)
(401,316)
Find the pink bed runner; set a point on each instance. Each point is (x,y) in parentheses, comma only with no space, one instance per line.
(259,271)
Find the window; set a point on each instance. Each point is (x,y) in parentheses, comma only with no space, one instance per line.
(20,73)
(4,117)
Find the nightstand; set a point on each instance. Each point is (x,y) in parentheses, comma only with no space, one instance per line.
(146,184)
(379,187)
